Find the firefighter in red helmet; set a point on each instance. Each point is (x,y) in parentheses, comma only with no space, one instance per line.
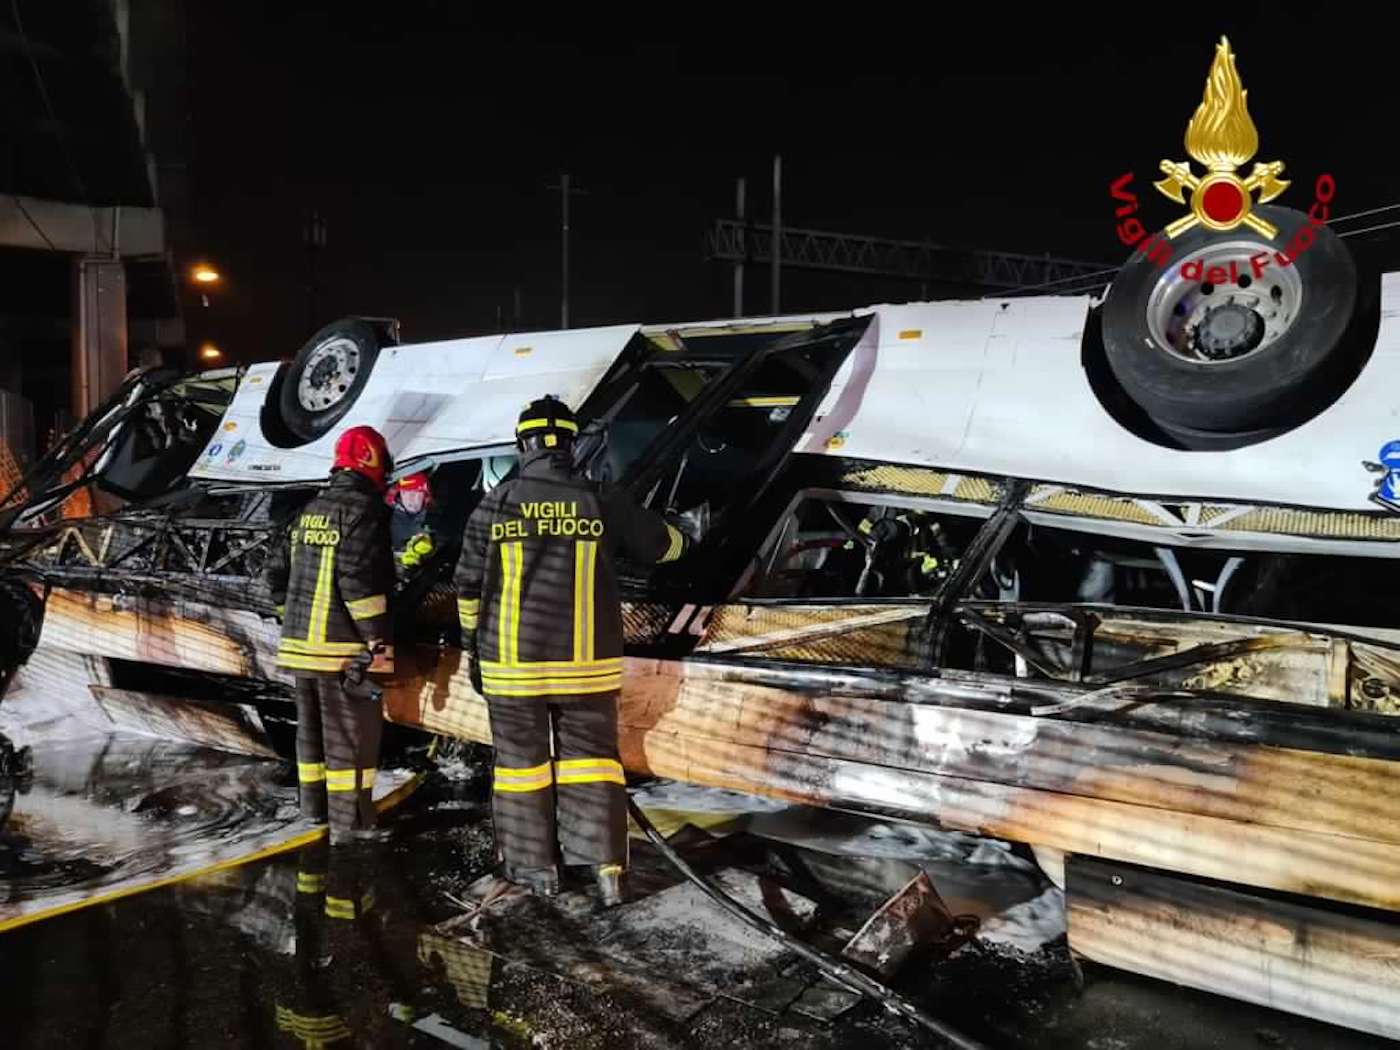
(410,499)
(542,622)
(331,580)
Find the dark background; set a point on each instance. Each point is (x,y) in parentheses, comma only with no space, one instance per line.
(427,135)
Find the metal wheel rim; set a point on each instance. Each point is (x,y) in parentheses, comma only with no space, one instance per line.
(1177,306)
(329,374)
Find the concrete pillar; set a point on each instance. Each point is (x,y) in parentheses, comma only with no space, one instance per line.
(99,331)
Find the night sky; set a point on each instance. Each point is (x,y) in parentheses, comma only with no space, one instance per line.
(427,134)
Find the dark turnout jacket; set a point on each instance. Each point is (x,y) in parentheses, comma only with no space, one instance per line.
(536,582)
(333,572)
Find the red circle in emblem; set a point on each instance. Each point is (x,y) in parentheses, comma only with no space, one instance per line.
(1223,202)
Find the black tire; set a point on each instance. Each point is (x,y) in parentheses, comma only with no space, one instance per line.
(323,361)
(1252,396)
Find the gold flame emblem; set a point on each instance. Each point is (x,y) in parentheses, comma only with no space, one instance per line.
(1222,137)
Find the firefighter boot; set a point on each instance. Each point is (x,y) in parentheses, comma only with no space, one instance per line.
(542,882)
(609,881)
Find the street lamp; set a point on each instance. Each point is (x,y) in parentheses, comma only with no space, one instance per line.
(205,274)
(210,352)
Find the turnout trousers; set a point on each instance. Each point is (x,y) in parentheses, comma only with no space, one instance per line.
(558,787)
(337,753)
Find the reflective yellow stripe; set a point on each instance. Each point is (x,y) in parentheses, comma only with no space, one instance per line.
(311,772)
(512,568)
(589,771)
(469,612)
(507,641)
(677,544)
(321,1031)
(344,779)
(555,676)
(309,883)
(587,763)
(340,780)
(558,676)
(551,686)
(585,563)
(598,777)
(515,602)
(297,662)
(527,778)
(520,787)
(364,608)
(590,578)
(516,772)
(774,401)
(578,599)
(550,675)
(321,600)
(534,668)
(536,424)
(340,908)
(301,645)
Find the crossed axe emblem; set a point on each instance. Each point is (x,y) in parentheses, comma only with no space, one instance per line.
(1179,178)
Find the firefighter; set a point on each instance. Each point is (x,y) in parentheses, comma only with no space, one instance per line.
(542,623)
(331,581)
(409,531)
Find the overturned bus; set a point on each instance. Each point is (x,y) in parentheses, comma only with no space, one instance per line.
(1112,576)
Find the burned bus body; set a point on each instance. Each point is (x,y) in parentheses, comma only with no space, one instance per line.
(957,568)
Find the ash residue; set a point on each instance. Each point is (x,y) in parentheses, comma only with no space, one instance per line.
(530,1008)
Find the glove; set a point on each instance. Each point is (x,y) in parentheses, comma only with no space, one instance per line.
(694,523)
(416,549)
(356,681)
(355,671)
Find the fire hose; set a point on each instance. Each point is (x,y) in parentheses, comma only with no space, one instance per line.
(841,973)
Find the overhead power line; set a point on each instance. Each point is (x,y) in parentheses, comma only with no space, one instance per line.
(33,222)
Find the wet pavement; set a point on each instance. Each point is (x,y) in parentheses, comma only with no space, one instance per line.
(389,946)
(382,946)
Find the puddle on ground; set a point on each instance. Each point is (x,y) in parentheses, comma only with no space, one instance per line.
(99,814)
(375,947)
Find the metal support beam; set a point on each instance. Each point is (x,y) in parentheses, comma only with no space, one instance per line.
(99,331)
(734,241)
(56,226)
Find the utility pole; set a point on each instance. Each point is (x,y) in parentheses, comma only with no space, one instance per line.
(565,192)
(739,266)
(777,253)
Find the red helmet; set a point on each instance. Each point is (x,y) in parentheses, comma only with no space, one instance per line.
(408,487)
(362,450)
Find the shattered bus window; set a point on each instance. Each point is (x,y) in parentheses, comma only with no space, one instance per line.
(1062,565)
(832,548)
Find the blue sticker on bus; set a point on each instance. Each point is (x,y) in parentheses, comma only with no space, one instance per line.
(1387,488)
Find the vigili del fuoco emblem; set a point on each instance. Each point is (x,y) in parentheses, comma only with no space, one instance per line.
(1222,137)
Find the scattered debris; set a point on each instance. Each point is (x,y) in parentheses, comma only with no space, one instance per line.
(914,921)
